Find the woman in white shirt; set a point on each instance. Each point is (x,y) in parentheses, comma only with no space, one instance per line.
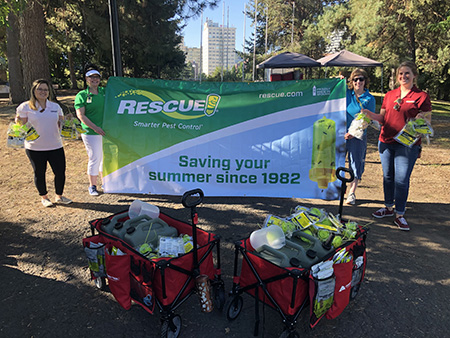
(45,117)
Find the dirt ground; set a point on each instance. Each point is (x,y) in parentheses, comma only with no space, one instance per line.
(46,291)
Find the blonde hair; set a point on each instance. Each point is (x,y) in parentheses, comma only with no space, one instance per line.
(356,73)
(33,99)
(411,65)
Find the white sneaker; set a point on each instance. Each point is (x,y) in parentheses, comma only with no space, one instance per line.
(93,190)
(63,200)
(351,199)
(47,203)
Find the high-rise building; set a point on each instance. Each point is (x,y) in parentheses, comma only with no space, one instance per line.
(192,53)
(193,57)
(218,47)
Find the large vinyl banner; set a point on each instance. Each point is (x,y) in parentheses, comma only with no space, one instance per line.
(276,139)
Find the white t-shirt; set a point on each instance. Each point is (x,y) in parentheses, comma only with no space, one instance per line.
(45,123)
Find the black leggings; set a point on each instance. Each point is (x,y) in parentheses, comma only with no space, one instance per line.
(57,160)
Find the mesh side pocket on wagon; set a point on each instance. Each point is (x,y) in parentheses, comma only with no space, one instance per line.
(359,267)
(321,290)
(141,279)
(94,248)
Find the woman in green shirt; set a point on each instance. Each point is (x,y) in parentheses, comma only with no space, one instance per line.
(89,105)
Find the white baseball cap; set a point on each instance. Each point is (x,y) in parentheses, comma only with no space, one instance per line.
(92,72)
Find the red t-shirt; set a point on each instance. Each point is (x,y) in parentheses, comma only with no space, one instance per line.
(414,102)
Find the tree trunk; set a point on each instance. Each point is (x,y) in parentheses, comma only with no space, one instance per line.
(392,79)
(73,77)
(16,90)
(412,38)
(33,44)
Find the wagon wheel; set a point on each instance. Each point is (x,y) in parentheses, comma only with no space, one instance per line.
(354,291)
(171,328)
(289,334)
(219,296)
(100,283)
(234,307)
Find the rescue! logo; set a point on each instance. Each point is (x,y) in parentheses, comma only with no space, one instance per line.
(177,109)
(212,103)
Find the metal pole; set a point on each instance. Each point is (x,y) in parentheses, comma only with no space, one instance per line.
(254,42)
(115,40)
(267,23)
(265,48)
(228,41)
(223,46)
(243,49)
(293,16)
(201,48)
(194,66)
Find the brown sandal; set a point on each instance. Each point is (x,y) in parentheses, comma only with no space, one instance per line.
(204,293)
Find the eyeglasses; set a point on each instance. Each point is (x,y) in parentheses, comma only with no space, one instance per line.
(42,89)
(361,79)
(397,102)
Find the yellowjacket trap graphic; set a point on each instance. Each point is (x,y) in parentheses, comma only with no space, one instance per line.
(323,166)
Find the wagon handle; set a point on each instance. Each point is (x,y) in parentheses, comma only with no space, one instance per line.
(192,203)
(343,178)
(194,216)
(344,181)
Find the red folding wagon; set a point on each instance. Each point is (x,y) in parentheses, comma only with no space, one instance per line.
(290,289)
(164,283)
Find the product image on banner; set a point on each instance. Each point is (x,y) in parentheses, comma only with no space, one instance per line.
(323,162)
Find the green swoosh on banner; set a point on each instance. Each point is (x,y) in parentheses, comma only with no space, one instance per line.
(154,97)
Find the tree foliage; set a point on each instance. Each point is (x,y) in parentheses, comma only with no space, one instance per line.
(284,21)
(78,32)
(389,31)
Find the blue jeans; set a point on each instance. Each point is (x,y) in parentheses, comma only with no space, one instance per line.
(397,161)
(356,150)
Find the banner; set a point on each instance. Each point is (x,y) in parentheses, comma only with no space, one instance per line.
(276,139)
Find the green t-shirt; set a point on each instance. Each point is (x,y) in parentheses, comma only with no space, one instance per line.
(94,105)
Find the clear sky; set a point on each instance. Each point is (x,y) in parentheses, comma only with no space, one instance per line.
(235,8)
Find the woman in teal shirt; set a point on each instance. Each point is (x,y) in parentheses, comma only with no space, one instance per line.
(89,104)
(358,98)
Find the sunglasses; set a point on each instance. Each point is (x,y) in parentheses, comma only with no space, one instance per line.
(361,79)
(397,102)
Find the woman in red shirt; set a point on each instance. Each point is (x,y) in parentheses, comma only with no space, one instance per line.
(397,160)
